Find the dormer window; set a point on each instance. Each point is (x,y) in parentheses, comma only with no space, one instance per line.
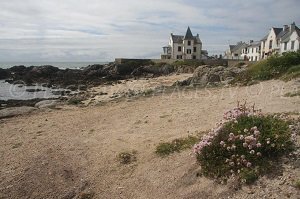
(189,43)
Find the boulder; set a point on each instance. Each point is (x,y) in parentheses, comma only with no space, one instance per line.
(47,104)
(15,111)
(4,73)
(201,70)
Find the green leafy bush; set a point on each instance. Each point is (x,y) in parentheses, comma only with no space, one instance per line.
(243,144)
(286,66)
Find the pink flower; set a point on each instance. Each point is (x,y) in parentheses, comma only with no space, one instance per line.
(268,142)
(245,145)
(231,135)
(249,164)
(258,145)
(273,145)
(243,156)
(231,164)
(256,133)
(254,128)
(222,143)
(252,152)
(233,147)
(258,154)
(245,130)
(241,137)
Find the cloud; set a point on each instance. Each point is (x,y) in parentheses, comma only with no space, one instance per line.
(68,30)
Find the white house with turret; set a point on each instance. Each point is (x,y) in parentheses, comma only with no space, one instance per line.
(183,47)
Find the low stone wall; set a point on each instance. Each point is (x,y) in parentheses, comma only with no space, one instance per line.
(212,62)
(232,63)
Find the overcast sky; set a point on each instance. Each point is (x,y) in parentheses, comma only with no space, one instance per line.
(100,30)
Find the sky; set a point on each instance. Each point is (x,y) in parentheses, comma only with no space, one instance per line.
(101,30)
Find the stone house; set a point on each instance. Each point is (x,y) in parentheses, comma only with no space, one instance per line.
(251,52)
(183,47)
(291,40)
(280,40)
(235,51)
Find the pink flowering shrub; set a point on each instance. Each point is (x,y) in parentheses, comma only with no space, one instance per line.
(244,141)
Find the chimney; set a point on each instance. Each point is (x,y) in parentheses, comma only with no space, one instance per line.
(251,41)
(285,27)
(197,35)
(293,26)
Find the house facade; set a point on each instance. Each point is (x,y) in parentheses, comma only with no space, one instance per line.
(277,41)
(251,52)
(183,47)
(291,41)
(236,51)
(280,40)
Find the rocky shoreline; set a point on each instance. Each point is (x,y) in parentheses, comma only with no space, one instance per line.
(75,84)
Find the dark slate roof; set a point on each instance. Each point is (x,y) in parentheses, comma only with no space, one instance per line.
(255,44)
(239,46)
(277,31)
(197,40)
(177,38)
(298,31)
(231,47)
(286,37)
(188,34)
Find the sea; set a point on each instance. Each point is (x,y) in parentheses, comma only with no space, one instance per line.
(62,65)
(18,92)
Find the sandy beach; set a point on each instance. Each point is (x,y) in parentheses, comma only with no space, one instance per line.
(60,153)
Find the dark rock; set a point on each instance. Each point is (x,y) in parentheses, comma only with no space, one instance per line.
(213,78)
(4,74)
(33,90)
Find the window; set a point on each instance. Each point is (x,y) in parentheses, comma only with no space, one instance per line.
(194,57)
(179,48)
(270,44)
(188,51)
(292,45)
(285,45)
(252,50)
(179,56)
(189,43)
(195,49)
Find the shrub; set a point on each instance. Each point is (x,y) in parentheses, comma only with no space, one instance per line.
(243,144)
(127,157)
(177,145)
(286,66)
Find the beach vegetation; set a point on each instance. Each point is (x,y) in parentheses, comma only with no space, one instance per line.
(244,144)
(285,67)
(127,157)
(177,145)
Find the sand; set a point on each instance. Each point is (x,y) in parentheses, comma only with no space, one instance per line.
(60,153)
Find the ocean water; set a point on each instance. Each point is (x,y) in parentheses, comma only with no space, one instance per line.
(18,92)
(62,65)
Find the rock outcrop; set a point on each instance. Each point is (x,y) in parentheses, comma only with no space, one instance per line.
(15,111)
(205,75)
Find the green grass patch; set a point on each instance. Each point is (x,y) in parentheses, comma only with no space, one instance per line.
(177,145)
(292,94)
(297,184)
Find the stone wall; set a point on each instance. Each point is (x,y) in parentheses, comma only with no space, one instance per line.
(212,62)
